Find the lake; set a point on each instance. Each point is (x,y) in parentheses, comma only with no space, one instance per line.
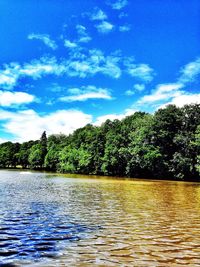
(70,220)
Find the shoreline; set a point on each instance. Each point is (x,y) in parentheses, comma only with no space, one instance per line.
(95,176)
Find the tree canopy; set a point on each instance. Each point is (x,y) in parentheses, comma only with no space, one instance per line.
(165,145)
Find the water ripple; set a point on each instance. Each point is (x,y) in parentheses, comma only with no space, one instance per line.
(41,232)
(54,221)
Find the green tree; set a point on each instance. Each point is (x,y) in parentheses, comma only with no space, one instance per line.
(36,157)
(23,154)
(74,160)
(55,143)
(8,154)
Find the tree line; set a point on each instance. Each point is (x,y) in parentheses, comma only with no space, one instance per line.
(165,145)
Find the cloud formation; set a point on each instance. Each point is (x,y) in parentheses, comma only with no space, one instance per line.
(28,125)
(8,99)
(124,28)
(142,72)
(105,27)
(98,14)
(139,87)
(162,92)
(82,33)
(119,4)
(166,94)
(190,72)
(78,64)
(45,38)
(86,92)
(175,93)
(69,44)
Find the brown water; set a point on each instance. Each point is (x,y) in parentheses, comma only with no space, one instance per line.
(75,221)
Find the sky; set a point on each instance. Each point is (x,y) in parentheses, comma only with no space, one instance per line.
(66,63)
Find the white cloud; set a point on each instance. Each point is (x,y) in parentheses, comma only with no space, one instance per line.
(124,28)
(27,124)
(119,4)
(184,98)
(34,69)
(140,71)
(98,15)
(69,44)
(129,92)
(8,99)
(83,35)
(45,38)
(105,27)
(78,64)
(43,66)
(9,75)
(174,93)
(190,72)
(84,65)
(139,87)
(166,94)
(163,92)
(112,117)
(86,92)
(3,140)
(136,87)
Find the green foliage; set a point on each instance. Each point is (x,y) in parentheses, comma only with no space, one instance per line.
(55,144)
(144,157)
(36,156)
(163,145)
(8,154)
(23,155)
(197,146)
(74,160)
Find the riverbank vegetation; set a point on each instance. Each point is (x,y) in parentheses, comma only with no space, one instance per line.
(164,145)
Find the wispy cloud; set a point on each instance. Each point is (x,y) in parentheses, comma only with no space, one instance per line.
(124,28)
(163,92)
(80,63)
(69,44)
(98,14)
(86,92)
(190,72)
(45,38)
(119,4)
(43,66)
(9,75)
(166,94)
(175,93)
(8,99)
(105,27)
(142,72)
(28,124)
(94,62)
(129,92)
(35,69)
(139,87)
(82,33)
(136,88)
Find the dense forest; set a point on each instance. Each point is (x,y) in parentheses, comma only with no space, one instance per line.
(165,145)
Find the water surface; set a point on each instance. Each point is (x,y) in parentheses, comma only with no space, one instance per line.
(56,220)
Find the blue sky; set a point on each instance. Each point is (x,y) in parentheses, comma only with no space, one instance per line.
(67,63)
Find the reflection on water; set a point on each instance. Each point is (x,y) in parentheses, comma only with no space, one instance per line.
(97,222)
